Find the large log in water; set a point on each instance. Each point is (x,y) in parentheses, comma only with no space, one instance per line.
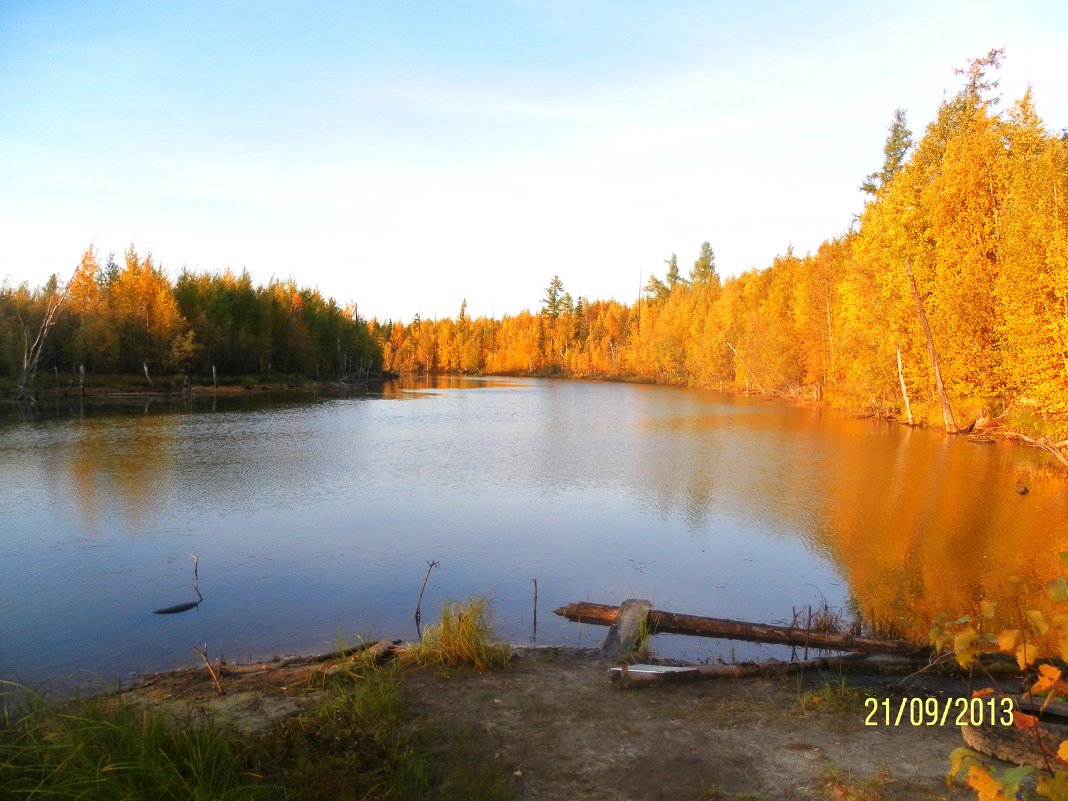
(675,623)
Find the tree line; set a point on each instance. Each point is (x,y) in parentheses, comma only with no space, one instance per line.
(131,318)
(966,229)
(954,278)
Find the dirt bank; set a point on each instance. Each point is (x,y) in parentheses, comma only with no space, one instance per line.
(560,730)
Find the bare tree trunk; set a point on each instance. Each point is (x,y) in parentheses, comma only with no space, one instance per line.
(32,355)
(829,373)
(904,389)
(748,369)
(947,410)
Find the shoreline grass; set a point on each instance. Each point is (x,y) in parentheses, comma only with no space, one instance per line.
(462,636)
(361,739)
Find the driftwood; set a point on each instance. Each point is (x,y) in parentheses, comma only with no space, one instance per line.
(376,654)
(644,675)
(203,654)
(373,651)
(1052,450)
(674,623)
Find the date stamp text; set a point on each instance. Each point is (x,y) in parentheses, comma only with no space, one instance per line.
(988,711)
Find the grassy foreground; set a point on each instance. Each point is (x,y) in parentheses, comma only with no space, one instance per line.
(360,741)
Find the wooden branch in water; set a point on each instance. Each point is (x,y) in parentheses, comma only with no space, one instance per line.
(674,623)
(173,610)
(1052,450)
(430,565)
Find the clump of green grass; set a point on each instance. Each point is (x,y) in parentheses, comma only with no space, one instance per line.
(362,741)
(642,651)
(461,637)
(352,744)
(104,748)
(835,696)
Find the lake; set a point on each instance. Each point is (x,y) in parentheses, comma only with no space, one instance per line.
(313,518)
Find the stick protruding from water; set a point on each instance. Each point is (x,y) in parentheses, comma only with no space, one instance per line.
(534,633)
(430,565)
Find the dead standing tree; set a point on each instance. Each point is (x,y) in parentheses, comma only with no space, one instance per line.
(947,410)
(32,356)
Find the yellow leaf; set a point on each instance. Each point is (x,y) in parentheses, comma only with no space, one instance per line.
(1048,678)
(1007,639)
(987,607)
(1038,621)
(1025,655)
(987,786)
(961,761)
(1062,649)
(983,692)
(939,637)
(964,646)
(1062,751)
(1055,787)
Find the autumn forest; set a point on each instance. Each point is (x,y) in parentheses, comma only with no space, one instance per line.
(955,273)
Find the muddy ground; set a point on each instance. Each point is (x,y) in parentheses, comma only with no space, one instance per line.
(561,730)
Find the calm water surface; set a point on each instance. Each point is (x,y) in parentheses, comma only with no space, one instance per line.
(315,519)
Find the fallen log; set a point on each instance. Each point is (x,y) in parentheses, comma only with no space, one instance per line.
(375,654)
(644,675)
(372,650)
(674,623)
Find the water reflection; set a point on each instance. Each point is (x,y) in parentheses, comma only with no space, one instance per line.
(116,470)
(922,537)
(319,516)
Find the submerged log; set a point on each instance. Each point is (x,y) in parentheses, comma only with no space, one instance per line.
(173,610)
(675,623)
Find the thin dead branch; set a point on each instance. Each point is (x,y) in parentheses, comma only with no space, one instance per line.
(430,565)
(203,653)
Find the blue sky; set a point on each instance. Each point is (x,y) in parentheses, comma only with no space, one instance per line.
(410,155)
